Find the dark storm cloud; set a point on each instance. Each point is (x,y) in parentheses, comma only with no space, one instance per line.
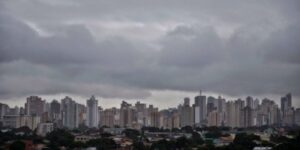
(92,47)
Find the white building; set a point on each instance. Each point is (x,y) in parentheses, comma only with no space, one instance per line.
(44,128)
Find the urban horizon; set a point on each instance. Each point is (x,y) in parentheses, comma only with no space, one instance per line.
(199,111)
(174,99)
(81,99)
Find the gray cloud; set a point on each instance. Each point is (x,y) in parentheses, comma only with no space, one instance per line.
(93,48)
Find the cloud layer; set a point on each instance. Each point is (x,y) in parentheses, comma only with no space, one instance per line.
(126,49)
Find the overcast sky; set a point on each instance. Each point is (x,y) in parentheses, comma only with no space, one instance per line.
(154,51)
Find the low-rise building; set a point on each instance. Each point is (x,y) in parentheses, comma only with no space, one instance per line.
(44,128)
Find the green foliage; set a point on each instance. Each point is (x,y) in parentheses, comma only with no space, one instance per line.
(213,134)
(102,143)
(187,129)
(138,146)
(180,143)
(163,145)
(7,136)
(245,141)
(286,143)
(175,130)
(60,137)
(78,145)
(196,139)
(183,142)
(131,133)
(279,139)
(17,145)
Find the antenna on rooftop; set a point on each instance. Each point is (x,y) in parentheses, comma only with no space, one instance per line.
(200,92)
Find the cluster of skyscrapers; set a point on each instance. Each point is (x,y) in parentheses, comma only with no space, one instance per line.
(206,111)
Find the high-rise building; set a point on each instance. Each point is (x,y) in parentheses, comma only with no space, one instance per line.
(69,115)
(256,104)
(287,110)
(248,117)
(166,119)
(231,114)
(250,102)
(239,105)
(141,110)
(286,102)
(55,115)
(200,110)
(297,116)
(212,104)
(110,117)
(3,110)
(186,114)
(267,113)
(127,115)
(213,118)
(155,119)
(81,113)
(186,101)
(222,110)
(92,112)
(35,106)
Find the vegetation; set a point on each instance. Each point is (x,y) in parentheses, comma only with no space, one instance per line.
(17,145)
(60,137)
(132,134)
(102,144)
(245,141)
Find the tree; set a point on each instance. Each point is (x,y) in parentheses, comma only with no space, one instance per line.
(60,137)
(187,129)
(138,146)
(287,143)
(175,130)
(163,145)
(196,139)
(183,142)
(102,143)
(213,134)
(17,145)
(78,145)
(131,133)
(245,141)
(106,135)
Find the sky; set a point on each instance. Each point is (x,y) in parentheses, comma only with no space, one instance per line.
(153,51)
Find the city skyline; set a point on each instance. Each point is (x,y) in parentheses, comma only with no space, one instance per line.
(109,103)
(181,101)
(200,111)
(196,122)
(158,52)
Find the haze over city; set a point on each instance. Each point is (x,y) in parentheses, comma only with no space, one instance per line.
(157,52)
